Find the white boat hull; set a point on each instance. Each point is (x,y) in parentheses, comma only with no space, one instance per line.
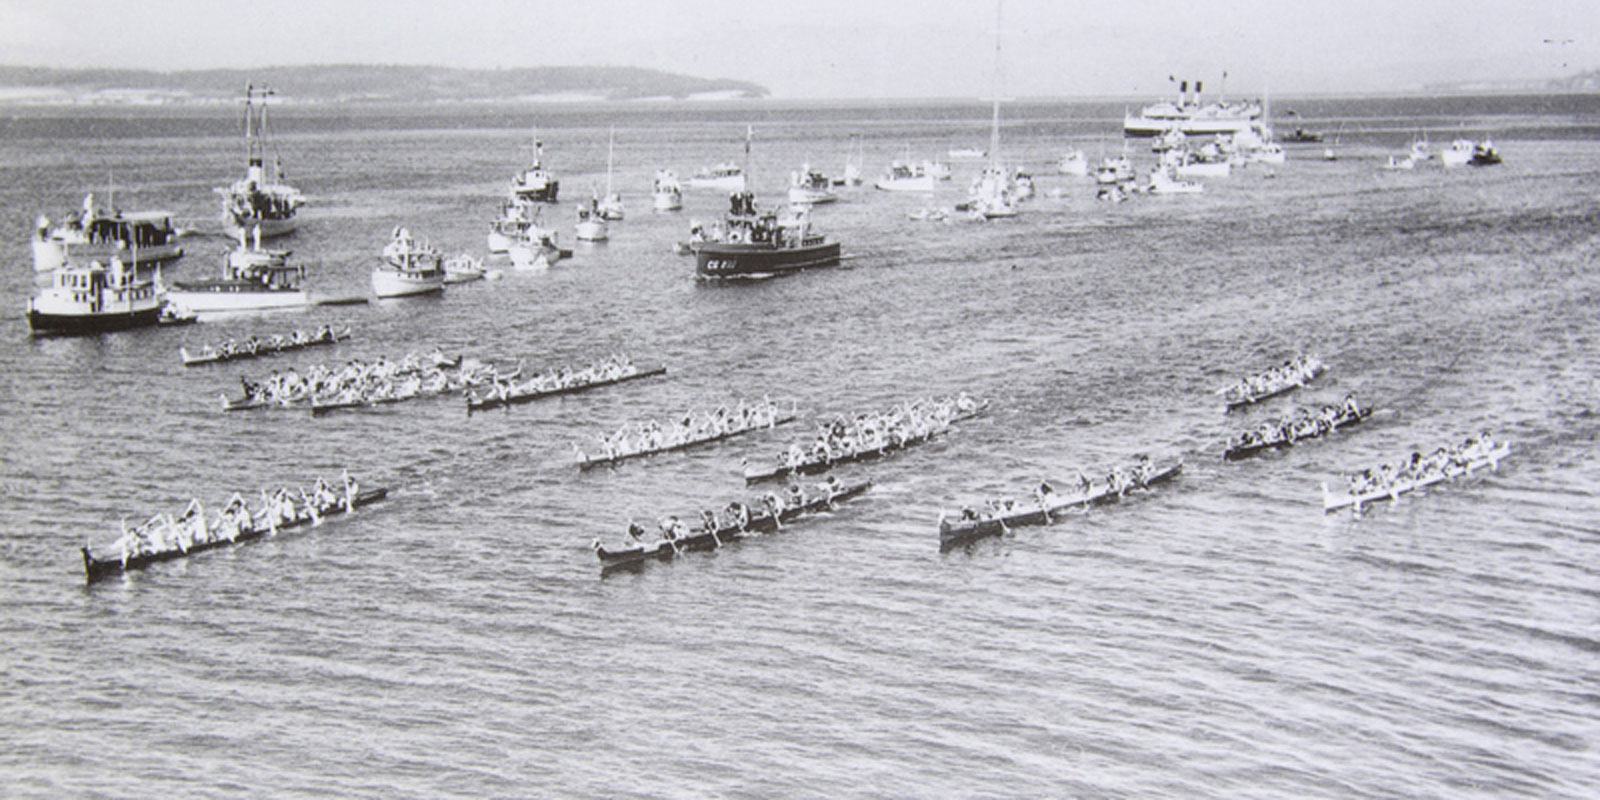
(803,195)
(922,183)
(1219,169)
(733,183)
(591,231)
(390,283)
(667,201)
(48,255)
(202,302)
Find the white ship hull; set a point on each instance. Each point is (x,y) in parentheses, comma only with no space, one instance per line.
(224,301)
(392,283)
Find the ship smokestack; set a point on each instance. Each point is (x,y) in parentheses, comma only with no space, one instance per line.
(1197,92)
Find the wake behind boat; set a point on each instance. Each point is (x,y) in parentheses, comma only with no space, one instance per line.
(1002,515)
(736,521)
(254,347)
(616,369)
(163,538)
(871,436)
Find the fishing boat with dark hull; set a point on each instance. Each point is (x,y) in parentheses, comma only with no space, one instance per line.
(604,461)
(813,467)
(962,531)
(97,567)
(1236,452)
(486,402)
(258,348)
(1491,459)
(761,244)
(702,539)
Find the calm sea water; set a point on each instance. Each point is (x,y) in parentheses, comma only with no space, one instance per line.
(1218,638)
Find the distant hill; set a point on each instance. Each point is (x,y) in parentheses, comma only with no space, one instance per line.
(1581,82)
(347,82)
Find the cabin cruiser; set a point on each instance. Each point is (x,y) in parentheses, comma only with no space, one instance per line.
(139,239)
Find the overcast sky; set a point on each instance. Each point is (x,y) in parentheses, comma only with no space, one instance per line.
(847,48)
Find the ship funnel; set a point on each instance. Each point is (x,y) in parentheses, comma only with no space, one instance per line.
(258,237)
(1197,90)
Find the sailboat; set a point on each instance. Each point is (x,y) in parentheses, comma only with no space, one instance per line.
(1328,153)
(610,206)
(259,201)
(993,194)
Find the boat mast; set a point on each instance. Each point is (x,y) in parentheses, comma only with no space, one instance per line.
(749,133)
(994,131)
(611,146)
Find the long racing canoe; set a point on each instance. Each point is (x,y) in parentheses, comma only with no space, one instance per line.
(961,531)
(1237,401)
(494,401)
(588,463)
(96,567)
(266,347)
(824,464)
(1330,502)
(1245,451)
(701,539)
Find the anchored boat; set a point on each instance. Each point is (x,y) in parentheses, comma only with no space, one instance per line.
(139,238)
(259,201)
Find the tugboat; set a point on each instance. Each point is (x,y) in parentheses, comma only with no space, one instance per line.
(92,299)
(96,235)
(408,268)
(754,244)
(252,279)
(256,202)
(1484,154)
(536,183)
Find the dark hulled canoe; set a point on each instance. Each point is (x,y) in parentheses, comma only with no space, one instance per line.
(701,539)
(1282,389)
(963,531)
(264,349)
(480,404)
(1245,451)
(95,567)
(823,465)
(604,461)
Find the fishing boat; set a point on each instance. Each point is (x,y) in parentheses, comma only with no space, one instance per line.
(104,565)
(256,347)
(973,526)
(259,201)
(904,176)
(1192,116)
(463,269)
(1073,163)
(760,244)
(535,183)
(1458,154)
(809,187)
(93,298)
(1242,449)
(515,218)
(726,176)
(536,248)
(531,390)
(586,462)
(407,267)
(762,521)
(813,466)
(252,279)
(666,194)
(1162,181)
(591,225)
(1332,502)
(96,234)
